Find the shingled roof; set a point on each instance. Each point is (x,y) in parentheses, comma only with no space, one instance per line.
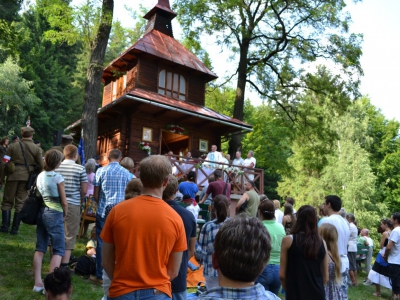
(158,41)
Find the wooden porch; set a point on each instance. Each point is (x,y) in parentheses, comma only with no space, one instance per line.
(236,175)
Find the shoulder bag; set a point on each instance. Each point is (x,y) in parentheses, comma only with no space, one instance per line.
(31,207)
(32,174)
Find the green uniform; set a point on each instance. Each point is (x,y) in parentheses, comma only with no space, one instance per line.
(15,186)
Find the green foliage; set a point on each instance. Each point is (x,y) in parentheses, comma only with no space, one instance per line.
(194,46)
(60,17)
(17,98)
(50,67)
(270,41)
(8,33)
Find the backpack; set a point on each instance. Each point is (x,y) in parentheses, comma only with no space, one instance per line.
(85,266)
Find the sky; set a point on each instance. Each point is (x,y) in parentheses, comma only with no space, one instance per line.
(377,20)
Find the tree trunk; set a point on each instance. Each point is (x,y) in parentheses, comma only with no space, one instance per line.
(235,143)
(93,80)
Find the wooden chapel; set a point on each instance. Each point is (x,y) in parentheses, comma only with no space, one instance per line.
(154,92)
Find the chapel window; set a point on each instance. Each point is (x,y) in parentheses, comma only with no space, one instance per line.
(172,85)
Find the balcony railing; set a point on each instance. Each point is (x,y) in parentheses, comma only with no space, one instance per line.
(236,175)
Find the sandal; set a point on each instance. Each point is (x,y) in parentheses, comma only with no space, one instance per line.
(376,294)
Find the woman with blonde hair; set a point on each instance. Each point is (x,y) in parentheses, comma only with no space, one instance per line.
(329,234)
(128,164)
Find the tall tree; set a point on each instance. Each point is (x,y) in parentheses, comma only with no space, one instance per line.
(51,68)
(17,98)
(8,35)
(272,41)
(93,79)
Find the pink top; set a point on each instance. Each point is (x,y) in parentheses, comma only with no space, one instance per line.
(90,187)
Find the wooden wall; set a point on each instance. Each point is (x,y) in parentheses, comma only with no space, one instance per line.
(147,75)
(196,90)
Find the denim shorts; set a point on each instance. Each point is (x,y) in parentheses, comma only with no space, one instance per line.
(148,294)
(50,225)
(269,278)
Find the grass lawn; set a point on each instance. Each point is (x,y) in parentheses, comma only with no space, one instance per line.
(16,271)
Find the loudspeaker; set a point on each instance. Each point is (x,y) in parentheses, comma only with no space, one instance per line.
(57,135)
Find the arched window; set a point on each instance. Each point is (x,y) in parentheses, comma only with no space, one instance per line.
(172,85)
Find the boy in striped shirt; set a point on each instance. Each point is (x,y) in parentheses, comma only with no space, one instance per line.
(75,179)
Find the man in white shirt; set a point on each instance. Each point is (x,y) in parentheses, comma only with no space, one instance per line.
(250,163)
(213,156)
(238,161)
(332,206)
(392,255)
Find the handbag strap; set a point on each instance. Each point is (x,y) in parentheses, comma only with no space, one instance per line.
(226,183)
(30,152)
(23,153)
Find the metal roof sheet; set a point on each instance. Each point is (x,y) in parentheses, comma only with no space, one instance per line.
(163,46)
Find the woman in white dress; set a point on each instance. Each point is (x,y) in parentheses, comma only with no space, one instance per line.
(379,272)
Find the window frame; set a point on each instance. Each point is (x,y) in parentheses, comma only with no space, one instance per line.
(168,88)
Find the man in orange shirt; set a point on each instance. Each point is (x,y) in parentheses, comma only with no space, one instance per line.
(143,239)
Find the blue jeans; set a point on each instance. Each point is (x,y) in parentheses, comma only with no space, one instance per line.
(50,224)
(269,278)
(344,285)
(179,296)
(148,294)
(99,227)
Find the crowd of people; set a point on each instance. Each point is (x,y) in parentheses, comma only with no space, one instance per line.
(144,237)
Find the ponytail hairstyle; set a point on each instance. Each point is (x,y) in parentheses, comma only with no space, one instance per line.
(267,210)
(329,234)
(221,207)
(58,282)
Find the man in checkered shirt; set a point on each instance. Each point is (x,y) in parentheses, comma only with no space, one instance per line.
(241,251)
(109,188)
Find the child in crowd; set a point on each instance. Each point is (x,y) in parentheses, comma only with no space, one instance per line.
(191,205)
(329,234)
(92,243)
(58,284)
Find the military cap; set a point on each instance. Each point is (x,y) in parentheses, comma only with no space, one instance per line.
(27,130)
(67,137)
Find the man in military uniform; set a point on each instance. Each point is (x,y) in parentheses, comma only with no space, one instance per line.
(66,140)
(16,181)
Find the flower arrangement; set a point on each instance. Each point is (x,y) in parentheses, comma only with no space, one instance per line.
(145,147)
(176,129)
(203,156)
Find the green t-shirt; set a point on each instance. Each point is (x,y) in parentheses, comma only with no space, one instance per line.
(252,205)
(277,233)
